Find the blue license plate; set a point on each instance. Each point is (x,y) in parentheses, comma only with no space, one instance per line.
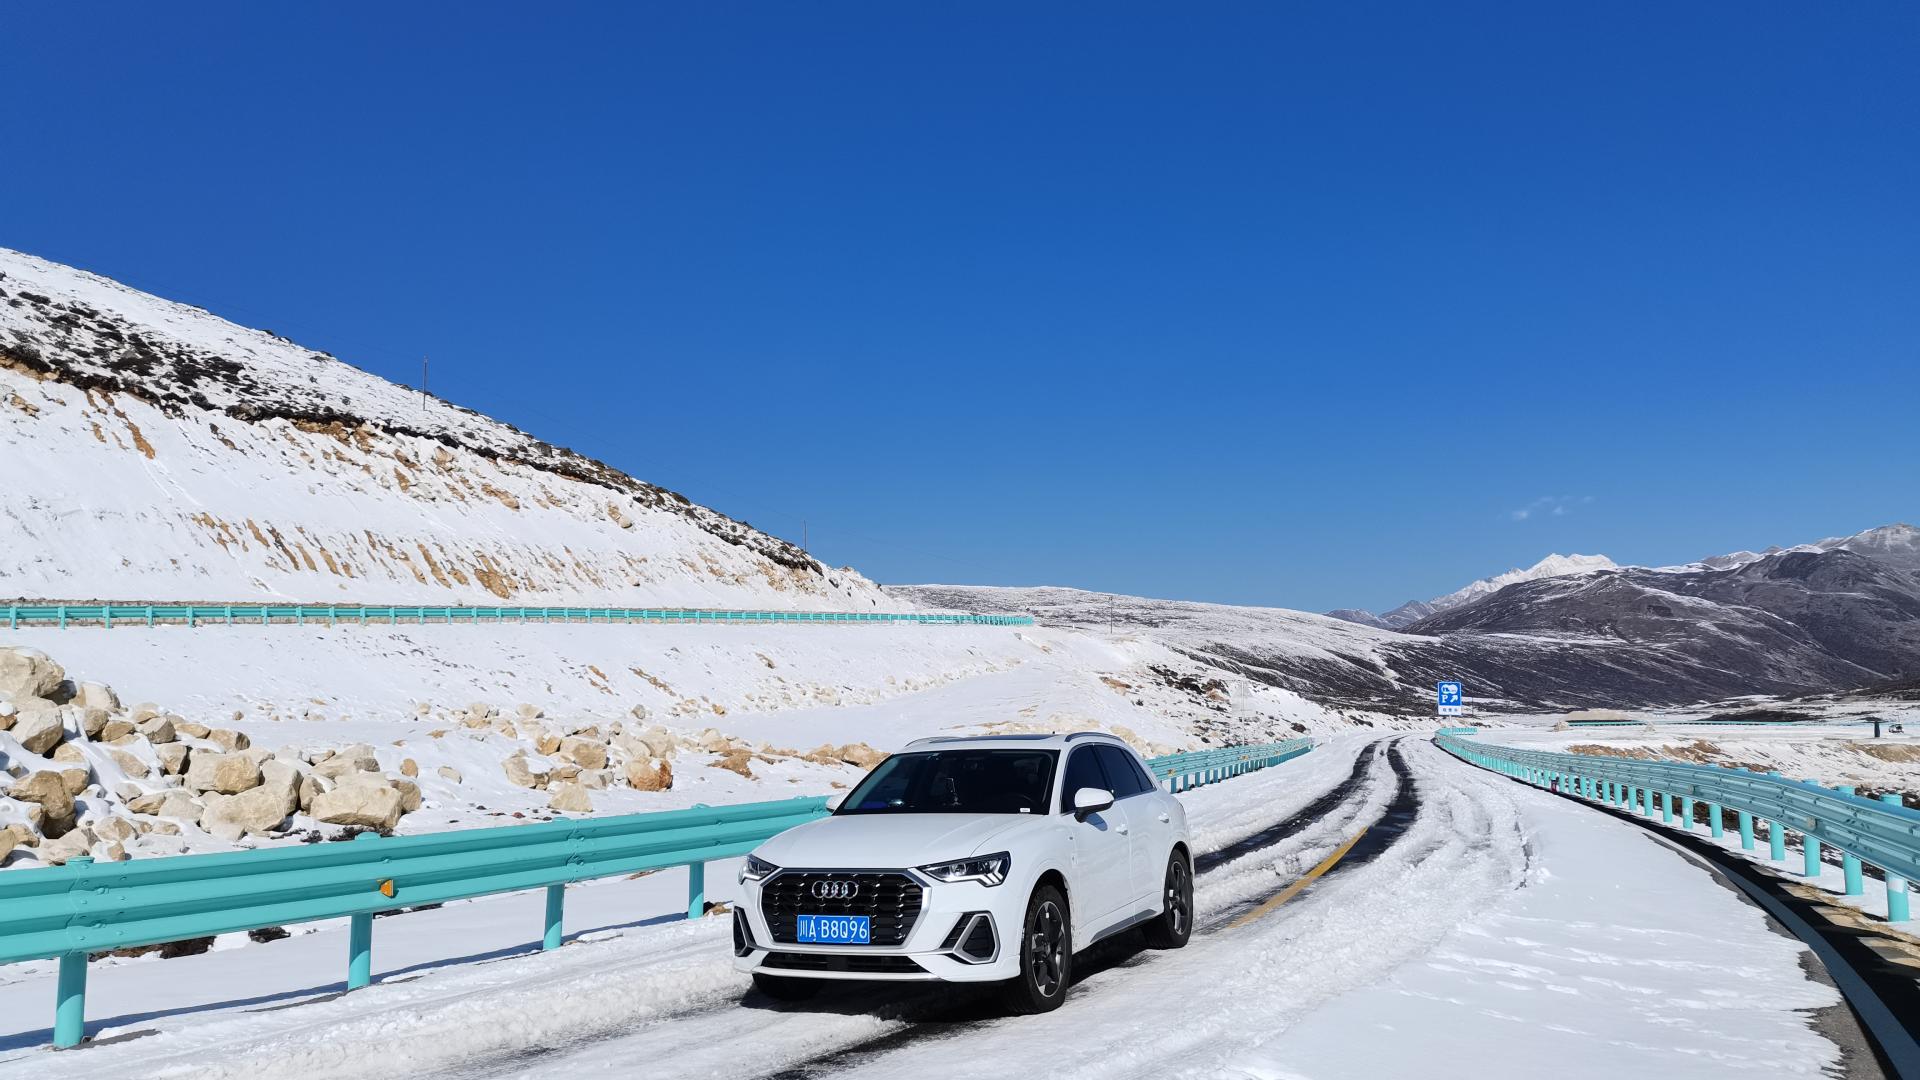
(834,930)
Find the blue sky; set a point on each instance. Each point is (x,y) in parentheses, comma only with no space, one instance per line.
(1309,305)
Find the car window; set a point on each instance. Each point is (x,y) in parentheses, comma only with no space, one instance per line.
(1083,770)
(969,781)
(1125,773)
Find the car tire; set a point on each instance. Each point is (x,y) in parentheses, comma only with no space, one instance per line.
(1046,956)
(782,988)
(1175,923)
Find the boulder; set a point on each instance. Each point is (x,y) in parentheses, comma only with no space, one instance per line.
(739,762)
(594,779)
(352,759)
(409,767)
(228,774)
(94,722)
(93,695)
(638,712)
(29,673)
(158,729)
(75,780)
(373,806)
(110,851)
(191,730)
(157,828)
(69,753)
(410,798)
(529,712)
(114,828)
(173,758)
(280,784)
(520,774)
(585,752)
(65,846)
(228,740)
(862,755)
(144,712)
(548,745)
(38,731)
(129,764)
(49,792)
(111,730)
(448,772)
(8,841)
(652,775)
(571,798)
(257,810)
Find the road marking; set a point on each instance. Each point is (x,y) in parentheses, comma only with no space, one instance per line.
(1290,891)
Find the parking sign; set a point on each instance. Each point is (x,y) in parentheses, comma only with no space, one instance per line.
(1450,698)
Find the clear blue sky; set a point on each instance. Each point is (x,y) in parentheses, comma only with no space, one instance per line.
(1267,303)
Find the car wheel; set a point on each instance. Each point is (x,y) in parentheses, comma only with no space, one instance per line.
(781,988)
(1046,955)
(1175,924)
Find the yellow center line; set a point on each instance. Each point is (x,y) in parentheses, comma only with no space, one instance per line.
(1290,891)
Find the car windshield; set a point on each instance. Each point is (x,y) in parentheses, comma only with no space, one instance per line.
(972,781)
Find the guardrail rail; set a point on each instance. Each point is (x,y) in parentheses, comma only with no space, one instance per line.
(109,615)
(69,912)
(1883,832)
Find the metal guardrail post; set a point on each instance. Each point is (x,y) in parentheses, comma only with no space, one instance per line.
(1746,831)
(1850,864)
(359,948)
(556,916)
(696,890)
(1897,906)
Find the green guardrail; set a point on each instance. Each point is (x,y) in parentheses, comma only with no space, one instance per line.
(1882,832)
(109,615)
(69,912)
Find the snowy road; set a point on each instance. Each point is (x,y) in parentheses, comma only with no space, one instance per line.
(1472,913)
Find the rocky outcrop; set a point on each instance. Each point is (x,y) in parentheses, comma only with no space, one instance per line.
(372,806)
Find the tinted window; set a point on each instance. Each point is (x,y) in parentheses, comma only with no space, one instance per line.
(957,782)
(1083,770)
(1127,776)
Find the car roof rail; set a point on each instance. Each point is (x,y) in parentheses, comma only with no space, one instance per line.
(1095,735)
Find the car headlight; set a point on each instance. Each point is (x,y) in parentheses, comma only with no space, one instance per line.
(985,869)
(755,869)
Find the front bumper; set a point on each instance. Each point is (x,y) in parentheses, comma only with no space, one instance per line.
(960,933)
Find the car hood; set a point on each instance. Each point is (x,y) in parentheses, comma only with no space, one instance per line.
(890,841)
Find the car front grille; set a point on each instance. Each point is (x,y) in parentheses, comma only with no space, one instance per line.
(851,963)
(890,900)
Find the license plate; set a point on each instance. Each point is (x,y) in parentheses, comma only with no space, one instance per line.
(834,930)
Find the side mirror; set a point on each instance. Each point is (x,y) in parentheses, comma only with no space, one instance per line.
(834,800)
(1091,800)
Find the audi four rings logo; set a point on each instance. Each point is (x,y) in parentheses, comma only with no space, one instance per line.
(835,890)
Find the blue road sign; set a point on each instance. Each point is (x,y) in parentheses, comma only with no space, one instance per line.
(1450,698)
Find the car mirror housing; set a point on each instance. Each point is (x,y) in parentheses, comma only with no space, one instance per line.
(1091,800)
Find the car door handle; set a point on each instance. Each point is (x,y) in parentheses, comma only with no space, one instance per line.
(1120,829)
(1166,818)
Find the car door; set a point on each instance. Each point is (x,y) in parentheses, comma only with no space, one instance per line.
(1150,826)
(1102,849)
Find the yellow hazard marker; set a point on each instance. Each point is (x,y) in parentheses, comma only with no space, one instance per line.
(386,888)
(1290,891)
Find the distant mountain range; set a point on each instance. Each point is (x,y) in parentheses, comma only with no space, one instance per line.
(1414,610)
(1572,631)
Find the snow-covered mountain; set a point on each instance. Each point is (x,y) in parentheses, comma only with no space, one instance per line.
(1414,610)
(152,450)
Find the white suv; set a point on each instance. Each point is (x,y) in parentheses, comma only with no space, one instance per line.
(971,860)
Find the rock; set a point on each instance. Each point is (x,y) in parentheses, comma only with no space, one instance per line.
(158,729)
(594,779)
(259,755)
(356,758)
(373,806)
(448,772)
(310,788)
(571,798)
(712,741)
(65,846)
(110,852)
(173,758)
(409,767)
(8,841)
(410,798)
(114,828)
(38,731)
(144,712)
(280,783)
(191,730)
(111,730)
(638,712)
(548,745)
(584,752)
(228,774)
(228,740)
(654,775)
(8,710)
(258,810)
(737,761)
(519,774)
(93,695)
(157,828)
(529,712)
(69,753)
(75,780)
(148,803)
(94,722)
(128,763)
(566,771)
(861,755)
(423,709)
(29,673)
